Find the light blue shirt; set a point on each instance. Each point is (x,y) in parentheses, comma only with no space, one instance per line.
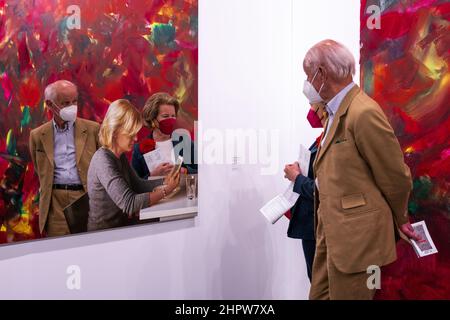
(333,105)
(66,171)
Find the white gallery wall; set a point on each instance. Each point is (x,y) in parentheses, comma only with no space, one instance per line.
(250,81)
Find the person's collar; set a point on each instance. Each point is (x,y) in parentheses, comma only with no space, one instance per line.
(67,125)
(333,105)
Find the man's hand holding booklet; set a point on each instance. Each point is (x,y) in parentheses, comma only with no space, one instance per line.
(425,246)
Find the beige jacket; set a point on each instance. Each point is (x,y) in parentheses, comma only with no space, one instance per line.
(41,149)
(364,185)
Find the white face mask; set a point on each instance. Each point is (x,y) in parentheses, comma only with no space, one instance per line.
(69,113)
(310,92)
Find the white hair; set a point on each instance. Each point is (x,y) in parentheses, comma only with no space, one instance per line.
(51,91)
(333,56)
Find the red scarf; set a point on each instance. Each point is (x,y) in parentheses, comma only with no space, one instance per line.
(319,139)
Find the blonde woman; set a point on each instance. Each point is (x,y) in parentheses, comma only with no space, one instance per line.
(116,193)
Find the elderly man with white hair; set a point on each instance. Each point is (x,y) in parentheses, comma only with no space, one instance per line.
(362,183)
(61,151)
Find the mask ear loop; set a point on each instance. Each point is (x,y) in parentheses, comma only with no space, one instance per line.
(315,74)
(55,106)
(321,87)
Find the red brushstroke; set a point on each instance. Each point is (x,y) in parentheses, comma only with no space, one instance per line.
(110,57)
(415,96)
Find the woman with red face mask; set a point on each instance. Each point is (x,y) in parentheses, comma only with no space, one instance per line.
(160,116)
(301,224)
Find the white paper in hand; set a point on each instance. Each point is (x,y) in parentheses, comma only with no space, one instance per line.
(426,246)
(153,159)
(303,160)
(163,153)
(277,207)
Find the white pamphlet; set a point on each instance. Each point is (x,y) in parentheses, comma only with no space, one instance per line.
(303,159)
(426,246)
(154,158)
(278,206)
(162,154)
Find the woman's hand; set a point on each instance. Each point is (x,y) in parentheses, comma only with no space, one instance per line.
(162,169)
(172,181)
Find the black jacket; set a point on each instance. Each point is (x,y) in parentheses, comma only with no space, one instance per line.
(301,225)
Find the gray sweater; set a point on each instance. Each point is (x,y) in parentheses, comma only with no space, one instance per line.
(115,190)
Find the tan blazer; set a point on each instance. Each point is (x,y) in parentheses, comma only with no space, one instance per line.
(41,149)
(364,185)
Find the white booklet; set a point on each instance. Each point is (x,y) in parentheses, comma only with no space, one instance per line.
(426,246)
(154,158)
(277,207)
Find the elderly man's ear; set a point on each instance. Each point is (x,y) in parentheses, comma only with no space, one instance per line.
(52,109)
(323,74)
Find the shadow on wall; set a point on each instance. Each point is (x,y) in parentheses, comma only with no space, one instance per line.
(247,254)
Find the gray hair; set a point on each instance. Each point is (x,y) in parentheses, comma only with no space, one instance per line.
(51,91)
(333,56)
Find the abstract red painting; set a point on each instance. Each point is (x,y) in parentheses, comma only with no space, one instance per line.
(405,60)
(110,49)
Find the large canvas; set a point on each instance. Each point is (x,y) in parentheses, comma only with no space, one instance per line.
(110,49)
(405,62)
